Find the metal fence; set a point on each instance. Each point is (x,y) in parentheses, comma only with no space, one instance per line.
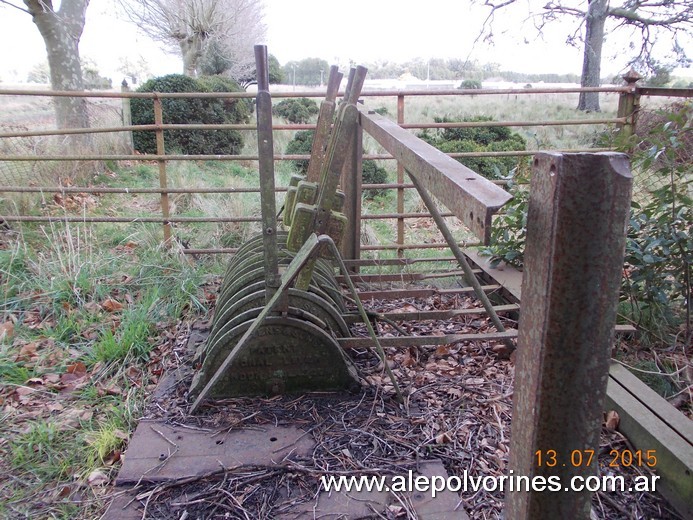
(28,155)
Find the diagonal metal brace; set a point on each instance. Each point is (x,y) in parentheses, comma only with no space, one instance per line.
(461,258)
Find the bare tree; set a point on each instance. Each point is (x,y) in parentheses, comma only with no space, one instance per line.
(196,27)
(650,21)
(61,30)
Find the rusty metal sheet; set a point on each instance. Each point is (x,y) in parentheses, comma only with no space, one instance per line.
(161,451)
(472,198)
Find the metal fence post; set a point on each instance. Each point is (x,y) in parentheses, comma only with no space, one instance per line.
(400,181)
(163,182)
(127,117)
(578,210)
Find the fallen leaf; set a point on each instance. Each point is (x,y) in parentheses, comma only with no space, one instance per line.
(111,305)
(443,350)
(27,352)
(612,420)
(97,478)
(6,331)
(442,438)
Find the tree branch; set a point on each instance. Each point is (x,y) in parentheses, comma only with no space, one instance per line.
(15,6)
(632,16)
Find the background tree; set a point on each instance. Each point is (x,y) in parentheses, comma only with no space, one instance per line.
(308,71)
(39,73)
(650,21)
(202,30)
(61,30)
(134,70)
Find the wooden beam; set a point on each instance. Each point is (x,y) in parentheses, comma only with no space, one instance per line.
(651,423)
(472,198)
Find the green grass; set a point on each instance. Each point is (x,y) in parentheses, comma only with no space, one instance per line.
(59,285)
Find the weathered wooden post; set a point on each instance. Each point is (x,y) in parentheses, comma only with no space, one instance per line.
(578,210)
(629,104)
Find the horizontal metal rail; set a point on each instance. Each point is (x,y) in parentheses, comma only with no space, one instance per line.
(157,220)
(312,93)
(434,315)
(420,341)
(548,122)
(297,126)
(277,157)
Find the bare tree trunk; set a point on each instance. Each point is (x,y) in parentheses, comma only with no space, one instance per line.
(591,66)
(191,49)
(61,32)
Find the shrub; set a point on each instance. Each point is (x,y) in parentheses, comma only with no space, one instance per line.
(373,174)
(470,84)
(302,143)
(236,110)
(296,110)
(188,111)
(479,139)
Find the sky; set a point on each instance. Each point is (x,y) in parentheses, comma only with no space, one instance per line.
(361,31)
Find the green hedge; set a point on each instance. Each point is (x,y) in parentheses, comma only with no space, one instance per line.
(191,111)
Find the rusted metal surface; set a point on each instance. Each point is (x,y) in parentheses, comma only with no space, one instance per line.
(265,146)
(159,452)
(400,180)
(419,341)
(471,197)
(387,294)
(323,126)
(578,211)
(434,315)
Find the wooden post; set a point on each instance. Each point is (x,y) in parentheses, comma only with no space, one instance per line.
(628,105)
(578,211)
(163,182)
(400,181)
(127,118)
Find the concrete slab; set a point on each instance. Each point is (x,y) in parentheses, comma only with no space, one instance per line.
(160,452)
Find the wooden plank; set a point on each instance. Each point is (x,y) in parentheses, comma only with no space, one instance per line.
(659,406)
(506,275)
(510,278)
(646,431)
(471,197)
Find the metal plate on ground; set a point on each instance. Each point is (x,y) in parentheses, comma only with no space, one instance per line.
(159,451)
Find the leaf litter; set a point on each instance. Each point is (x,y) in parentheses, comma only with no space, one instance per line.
(457,409)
